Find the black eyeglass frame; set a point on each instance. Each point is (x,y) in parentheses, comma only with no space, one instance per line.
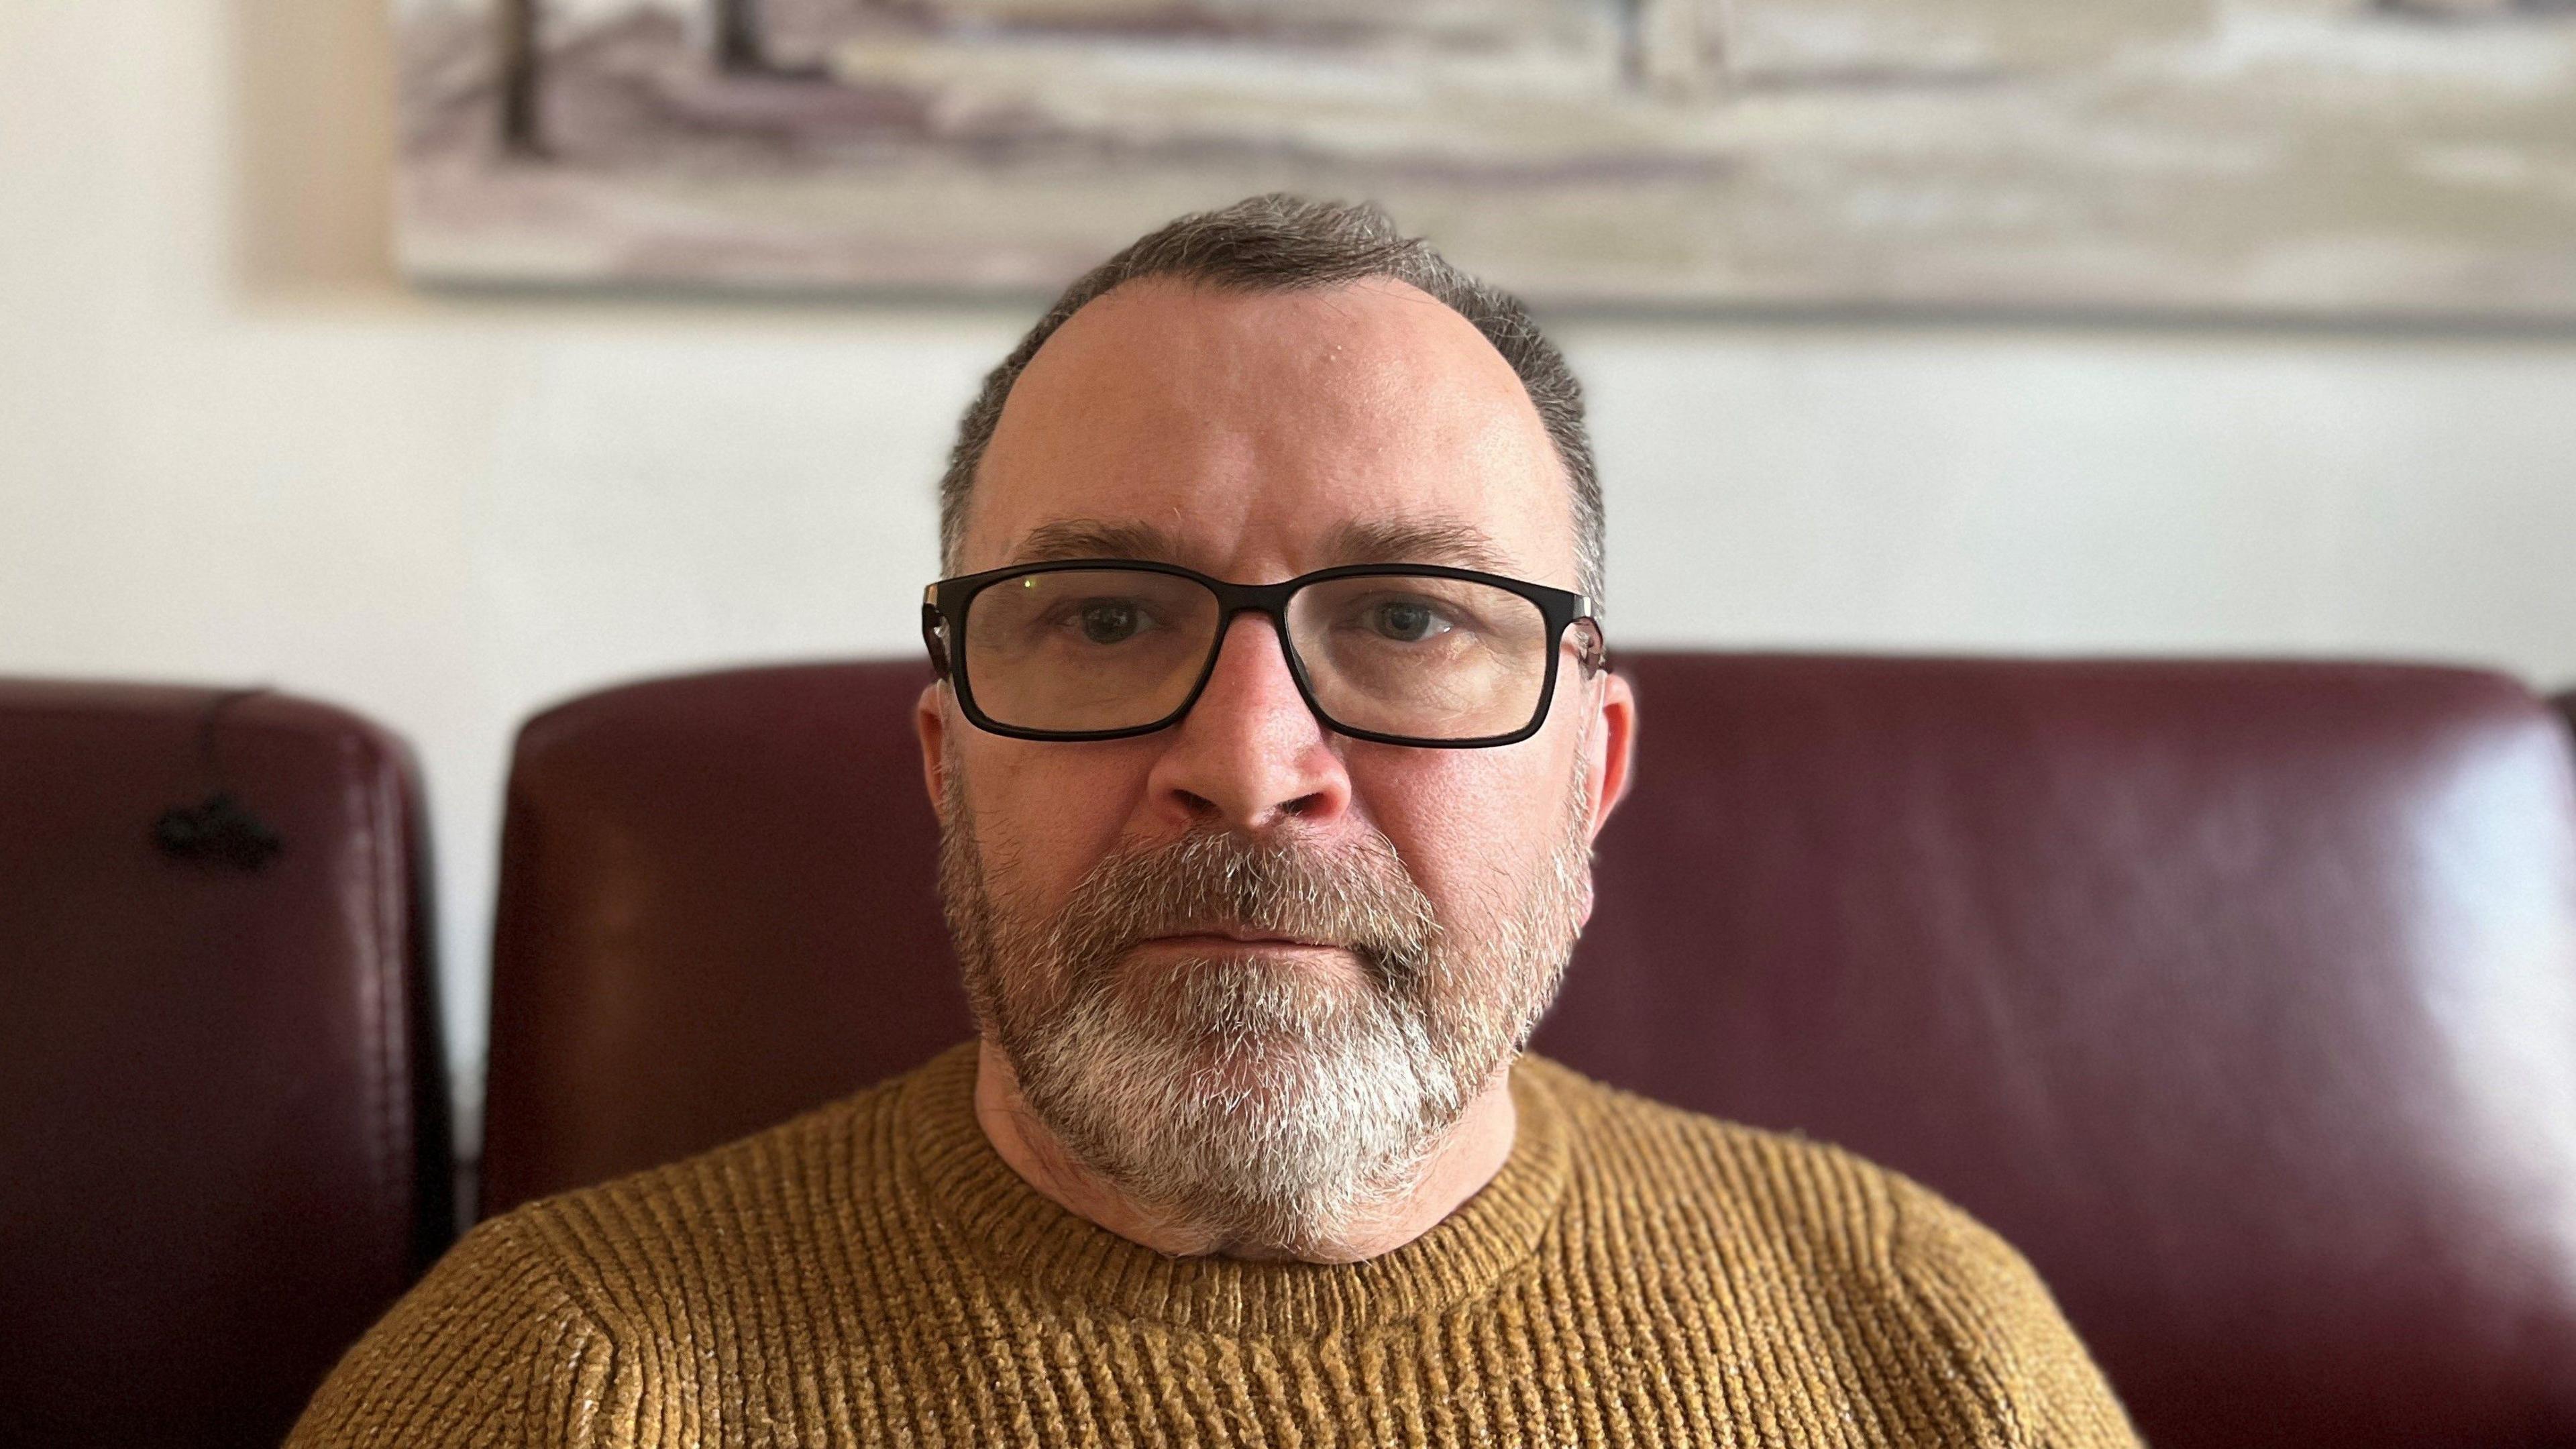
(951,599)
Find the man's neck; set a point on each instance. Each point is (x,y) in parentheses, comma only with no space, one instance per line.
(1465,1159)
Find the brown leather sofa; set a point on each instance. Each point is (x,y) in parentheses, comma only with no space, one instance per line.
(223,1109)
(2241,996)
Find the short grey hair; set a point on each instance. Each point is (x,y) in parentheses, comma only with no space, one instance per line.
(1285,243)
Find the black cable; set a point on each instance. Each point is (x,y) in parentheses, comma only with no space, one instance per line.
(219,829)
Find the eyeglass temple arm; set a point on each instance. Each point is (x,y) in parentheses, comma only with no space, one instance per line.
(1593,653)
(934,632)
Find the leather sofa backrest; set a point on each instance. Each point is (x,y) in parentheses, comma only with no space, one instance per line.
(223,1109)
(2240,996)
(717,908)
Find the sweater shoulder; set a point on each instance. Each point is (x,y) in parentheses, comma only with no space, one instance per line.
(1856,1239)
(533,1329)
(777,1191)
(1761,1182)
(490,1348)
(2000,1326)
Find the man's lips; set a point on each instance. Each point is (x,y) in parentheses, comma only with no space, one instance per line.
(1225,937)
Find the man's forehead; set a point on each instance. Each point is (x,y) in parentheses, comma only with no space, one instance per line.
(1353,424)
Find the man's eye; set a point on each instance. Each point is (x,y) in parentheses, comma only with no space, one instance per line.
(1109,621)
(1407,621)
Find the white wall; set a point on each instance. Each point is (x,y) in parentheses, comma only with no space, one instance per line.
(232,448)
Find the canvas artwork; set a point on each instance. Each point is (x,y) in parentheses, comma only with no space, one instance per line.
(2328,158)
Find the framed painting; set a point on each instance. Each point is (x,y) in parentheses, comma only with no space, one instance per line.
(2305,158)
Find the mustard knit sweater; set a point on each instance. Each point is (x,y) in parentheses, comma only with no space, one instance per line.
(873,1273)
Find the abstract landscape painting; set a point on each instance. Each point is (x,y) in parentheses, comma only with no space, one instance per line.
(2293,158)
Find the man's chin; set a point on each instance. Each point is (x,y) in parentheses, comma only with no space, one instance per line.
(1251,1075)
(1291,1057)
(1265,1127)
(1270,1065)
(1243,993)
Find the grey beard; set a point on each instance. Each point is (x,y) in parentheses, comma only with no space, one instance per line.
(1260,1108)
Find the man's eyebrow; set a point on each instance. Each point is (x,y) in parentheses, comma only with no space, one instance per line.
(1383,540)
(1420,540)
(1095,538)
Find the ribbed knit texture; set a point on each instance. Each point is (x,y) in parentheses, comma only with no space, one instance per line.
(873,1273)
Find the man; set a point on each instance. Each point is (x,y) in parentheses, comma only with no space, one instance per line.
(1272,735)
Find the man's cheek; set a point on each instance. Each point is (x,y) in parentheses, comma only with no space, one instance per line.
(1470,851)
(1052,853)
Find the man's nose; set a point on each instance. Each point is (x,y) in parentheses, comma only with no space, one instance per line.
(1250,755)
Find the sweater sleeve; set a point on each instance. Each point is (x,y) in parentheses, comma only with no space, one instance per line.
(489,1350)
(2012,1347)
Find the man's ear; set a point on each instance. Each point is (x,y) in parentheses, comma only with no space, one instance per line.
(930,722)
(1614,748)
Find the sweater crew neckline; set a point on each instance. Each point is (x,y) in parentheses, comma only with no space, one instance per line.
(1020,1233)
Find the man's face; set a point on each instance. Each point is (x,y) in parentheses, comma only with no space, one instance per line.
(1245,949)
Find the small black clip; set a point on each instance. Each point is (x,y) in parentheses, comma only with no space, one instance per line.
(219,830)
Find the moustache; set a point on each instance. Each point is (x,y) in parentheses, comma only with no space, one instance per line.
(1358,897)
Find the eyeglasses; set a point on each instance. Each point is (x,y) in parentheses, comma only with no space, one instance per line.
(1404,654)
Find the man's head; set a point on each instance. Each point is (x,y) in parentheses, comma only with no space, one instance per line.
(1281,244)
(1246,966)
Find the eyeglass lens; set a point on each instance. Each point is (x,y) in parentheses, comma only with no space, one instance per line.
(1107,649)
